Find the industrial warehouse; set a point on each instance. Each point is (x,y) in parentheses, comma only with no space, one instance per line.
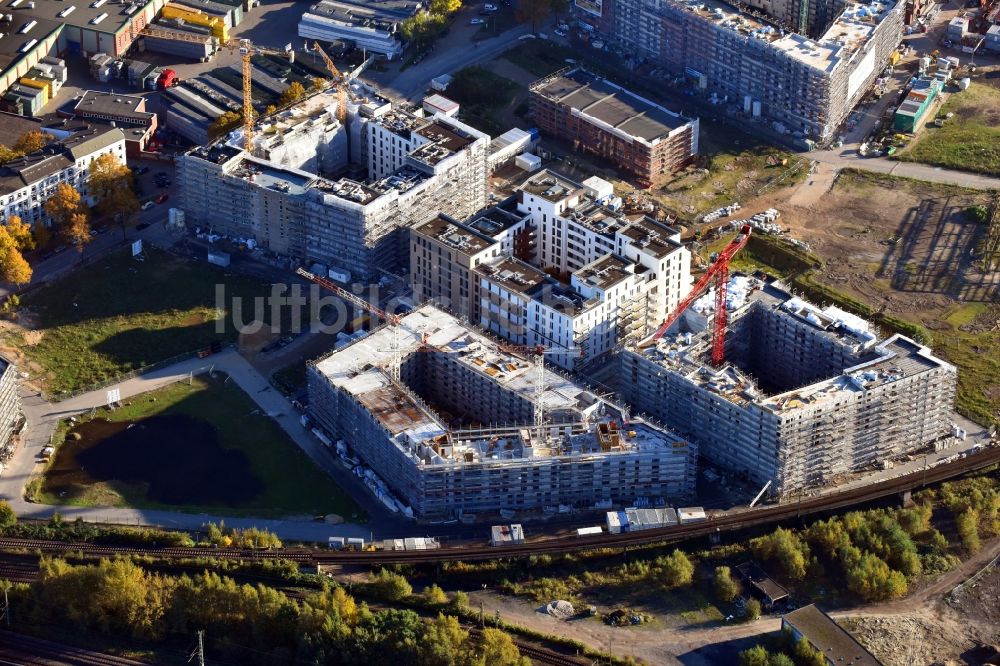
(801,66)
(473,428)
(805,395)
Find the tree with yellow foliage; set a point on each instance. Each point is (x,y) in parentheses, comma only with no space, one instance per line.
(110,182)
(13,267)
(70,216)
(294,92)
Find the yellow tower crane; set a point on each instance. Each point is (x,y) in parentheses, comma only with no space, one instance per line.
(339,80)
(246,51)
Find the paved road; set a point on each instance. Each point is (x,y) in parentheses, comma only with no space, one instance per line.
(847,157)
(451,54)
(43,417)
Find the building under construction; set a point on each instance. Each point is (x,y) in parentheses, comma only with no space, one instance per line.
(805,394)
(474,428)
(800,65)
(288,196)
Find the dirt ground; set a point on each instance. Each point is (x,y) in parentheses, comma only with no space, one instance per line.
(918,629)
(896,243)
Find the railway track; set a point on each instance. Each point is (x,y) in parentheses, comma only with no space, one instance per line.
(727,523)
(552,545)
(20,650)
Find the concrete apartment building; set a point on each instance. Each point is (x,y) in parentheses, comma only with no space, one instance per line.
(806,394)
(801,66)
(460,434)
(355,229)
(11,416)
(643,139)
(371,26)
(27,182)
(618,276)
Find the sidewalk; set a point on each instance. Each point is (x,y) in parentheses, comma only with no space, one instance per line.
(43,417)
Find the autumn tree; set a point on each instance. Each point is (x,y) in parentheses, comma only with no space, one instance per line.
(319,83)
(390,586)
(32,141)
(445,643)
(7,515)
(534,11)
(63,203)
(41,234)
(21,233)
(434,595)
(755,656)
(497,649)
(445,7)
(224,123)
(678,570)
(725,586)
(752,610)
(295,91)
(110,183)
(873,580)
(786,548)
(13,267)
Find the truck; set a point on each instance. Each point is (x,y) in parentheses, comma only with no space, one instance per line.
(168,79)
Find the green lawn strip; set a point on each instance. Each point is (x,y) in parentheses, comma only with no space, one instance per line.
(293,485)
(118,315)
(970,140)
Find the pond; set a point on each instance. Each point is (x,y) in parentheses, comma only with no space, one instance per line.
(177,459)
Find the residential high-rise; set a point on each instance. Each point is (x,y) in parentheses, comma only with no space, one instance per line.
(800,65)
(807,394)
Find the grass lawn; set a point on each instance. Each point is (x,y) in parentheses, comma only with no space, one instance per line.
(291,378)
(970,140)
(118,315)
(539,56)
(290,484)
(731,167)
(483,96)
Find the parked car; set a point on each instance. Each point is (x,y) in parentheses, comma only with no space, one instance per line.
(160,199)
(148,205)
(559,33)
(477,21)
(490,8)
(141,226)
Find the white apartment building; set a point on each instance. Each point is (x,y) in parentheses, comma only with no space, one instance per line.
(28,182)
(599,282)
(579,224)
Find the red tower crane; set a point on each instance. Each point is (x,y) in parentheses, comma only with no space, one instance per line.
(391,319)
(718,271)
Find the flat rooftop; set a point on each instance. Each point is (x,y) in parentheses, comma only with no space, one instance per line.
(516,276)
(113,105)
(609,104)
(838,646)
(268,175)
(552,186)
(452,233)
(605,272)
(378,15)
(496,220)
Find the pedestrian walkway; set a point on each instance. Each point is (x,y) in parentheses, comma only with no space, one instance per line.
(43,417)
